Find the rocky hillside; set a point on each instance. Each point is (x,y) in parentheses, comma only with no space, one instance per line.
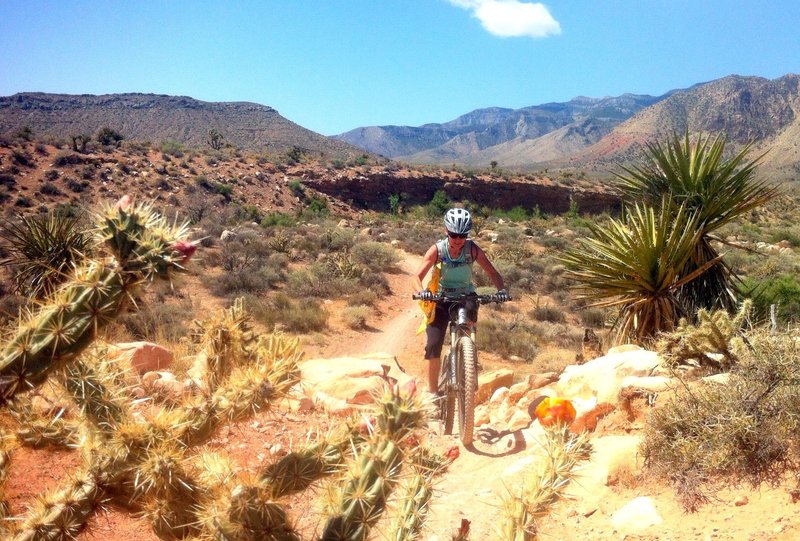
(597,134)
(744,108)
(157,118)
(496,133)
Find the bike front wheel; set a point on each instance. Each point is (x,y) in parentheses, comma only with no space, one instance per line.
(467,373)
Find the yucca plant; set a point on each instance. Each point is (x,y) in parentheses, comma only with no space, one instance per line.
(635,263)
(697,175)
(42,251)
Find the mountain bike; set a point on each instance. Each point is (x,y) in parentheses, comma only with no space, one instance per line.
(458,377)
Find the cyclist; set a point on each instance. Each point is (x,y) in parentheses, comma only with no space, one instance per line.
(456,254)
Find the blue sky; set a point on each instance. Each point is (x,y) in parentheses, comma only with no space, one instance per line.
(333,65)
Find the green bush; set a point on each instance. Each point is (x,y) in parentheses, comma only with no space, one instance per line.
(172,148)
(303,317)
(279,219)
(375,256)
(783,290)
(506,339)
(356,317)
(438,205)
(365,297)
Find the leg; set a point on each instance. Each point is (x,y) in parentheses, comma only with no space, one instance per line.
(434,365)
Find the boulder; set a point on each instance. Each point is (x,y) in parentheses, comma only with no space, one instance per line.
(142,356)
(602,378)
(227,235)
(624,348)
(340,384)
(489,382)
(537,381)
(635,516)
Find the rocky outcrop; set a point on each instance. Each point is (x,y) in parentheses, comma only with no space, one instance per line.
(372,191)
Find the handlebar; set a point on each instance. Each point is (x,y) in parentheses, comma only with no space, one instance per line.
(480,299)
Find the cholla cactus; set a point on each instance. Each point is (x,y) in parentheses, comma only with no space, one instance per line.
(563,450)
(716,342)
(141,246)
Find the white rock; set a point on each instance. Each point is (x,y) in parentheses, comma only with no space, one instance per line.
(637,515)
(602,377)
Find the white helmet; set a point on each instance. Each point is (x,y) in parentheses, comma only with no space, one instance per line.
(458,221)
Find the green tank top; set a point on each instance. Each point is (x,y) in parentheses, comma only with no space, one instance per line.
(456,273)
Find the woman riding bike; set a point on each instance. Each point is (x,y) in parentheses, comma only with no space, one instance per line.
(456,254)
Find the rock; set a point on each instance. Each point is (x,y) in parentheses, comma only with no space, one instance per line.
(395,243)
(498,396)
(652,384)
(587,421)
(142,356)
(602,378)
(366,232)
(517,391)
(489,382)
(342,224)
(718,379)
(482,416)
(519,419)
(227,235)
(537,381)
(624,348)
(741,500)
(637,515)
(341,383)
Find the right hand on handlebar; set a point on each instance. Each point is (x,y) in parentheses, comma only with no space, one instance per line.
(425,295)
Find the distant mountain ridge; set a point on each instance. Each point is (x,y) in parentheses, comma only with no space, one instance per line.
(465,139)
(594,133)
(157,118)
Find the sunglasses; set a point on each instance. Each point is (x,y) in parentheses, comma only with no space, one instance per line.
(457,235)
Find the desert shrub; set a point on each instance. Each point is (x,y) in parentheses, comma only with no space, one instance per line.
(65,158)
(506,338)
(172,148)
(48,188)
(279,219)
(365,297)
(23,201)
(783,290)
(554,360)
(87,173)
(375,256)
(559,334)
(554,243)
(51,174)
(548,313)
(374,281)
(7,180)
(4,195)
(593,317)
(356,317)
(317,280)
(20,157)
(746,430)
(334,240)
(438,205)
(159,322)
(303,316)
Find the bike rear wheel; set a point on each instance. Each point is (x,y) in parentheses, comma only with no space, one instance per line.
(467,374)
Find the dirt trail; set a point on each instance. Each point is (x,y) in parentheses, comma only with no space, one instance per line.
(471,487)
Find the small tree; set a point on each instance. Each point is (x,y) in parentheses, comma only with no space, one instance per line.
(439,204)
(79,142)
(108,137)
(215,139)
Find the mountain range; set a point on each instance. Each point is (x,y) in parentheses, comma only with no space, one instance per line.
(584,133)
(592,133)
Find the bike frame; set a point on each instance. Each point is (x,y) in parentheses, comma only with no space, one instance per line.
(460,325)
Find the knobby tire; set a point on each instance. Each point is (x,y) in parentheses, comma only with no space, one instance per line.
(467,372)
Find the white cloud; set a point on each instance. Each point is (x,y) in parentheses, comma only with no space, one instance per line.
(512,18)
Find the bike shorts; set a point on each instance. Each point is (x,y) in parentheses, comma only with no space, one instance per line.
(436,331)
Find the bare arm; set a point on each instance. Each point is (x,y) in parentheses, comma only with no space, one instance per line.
(487,266)
(428,261)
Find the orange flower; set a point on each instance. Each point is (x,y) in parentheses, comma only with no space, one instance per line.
(555,410)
